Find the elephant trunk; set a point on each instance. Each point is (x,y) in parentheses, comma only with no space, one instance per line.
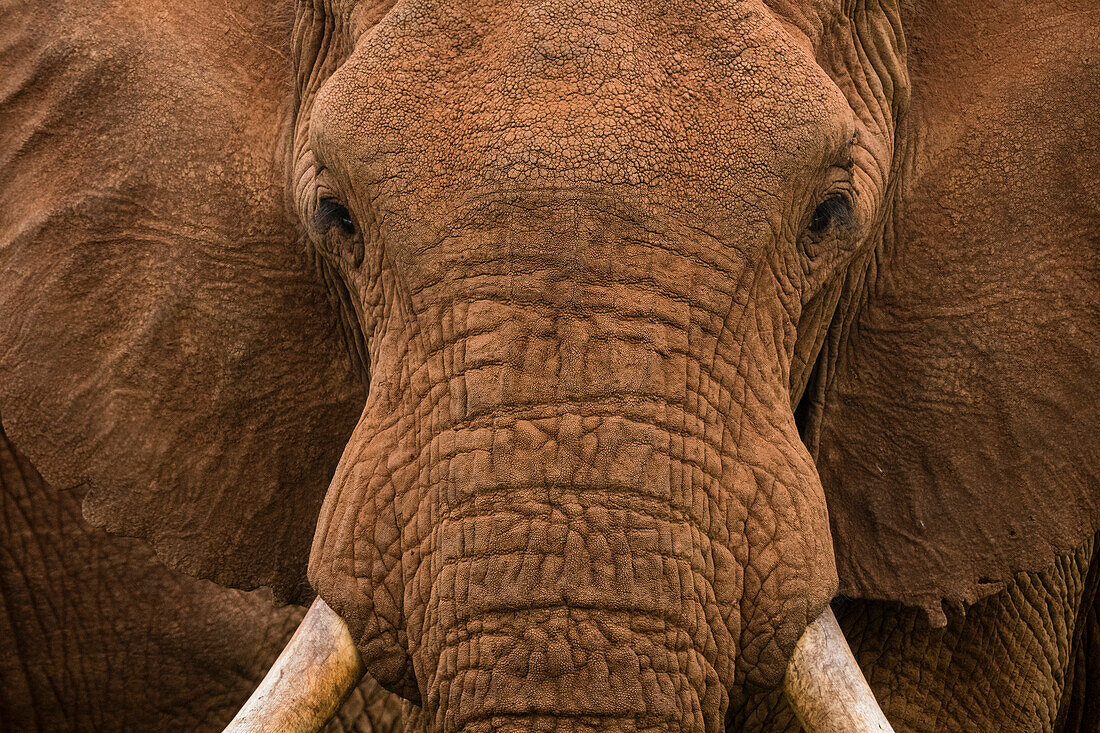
(557,508)
(320,667)
(577,491)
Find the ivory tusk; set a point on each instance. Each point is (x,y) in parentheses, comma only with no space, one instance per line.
(825,686)
(317,670)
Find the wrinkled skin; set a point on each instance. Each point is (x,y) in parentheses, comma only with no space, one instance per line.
(98,635)
(1023,659)
(579,404)
(577,454)
(666,323)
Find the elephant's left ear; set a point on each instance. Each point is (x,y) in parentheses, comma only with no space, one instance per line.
(957,417)
(165,342)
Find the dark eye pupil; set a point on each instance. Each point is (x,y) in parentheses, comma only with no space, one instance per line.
(333,214)
(833,210)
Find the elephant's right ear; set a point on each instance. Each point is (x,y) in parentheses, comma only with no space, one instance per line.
(165,342)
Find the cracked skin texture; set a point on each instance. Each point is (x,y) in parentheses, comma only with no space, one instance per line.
(579,422)
(630,412)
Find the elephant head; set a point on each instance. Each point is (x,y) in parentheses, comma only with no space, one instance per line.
(596,345)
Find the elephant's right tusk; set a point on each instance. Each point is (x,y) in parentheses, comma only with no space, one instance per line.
(317,670)
(825,686)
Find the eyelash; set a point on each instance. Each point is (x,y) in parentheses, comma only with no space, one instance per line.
(836,210)
(331,213)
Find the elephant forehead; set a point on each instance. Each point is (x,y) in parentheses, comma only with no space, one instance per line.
(716,105)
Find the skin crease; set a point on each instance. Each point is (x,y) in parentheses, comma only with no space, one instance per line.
(509,305)
(630,413)
(97,635)
(597,464)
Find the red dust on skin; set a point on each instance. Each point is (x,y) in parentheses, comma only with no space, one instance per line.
(580,293)
(581,252)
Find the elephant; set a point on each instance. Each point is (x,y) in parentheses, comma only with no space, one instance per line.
(615,365)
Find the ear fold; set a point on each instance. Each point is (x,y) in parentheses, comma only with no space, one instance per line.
(163,335)
(959,421)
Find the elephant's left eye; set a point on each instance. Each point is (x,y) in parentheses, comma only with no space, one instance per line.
(834,210)
(332,214)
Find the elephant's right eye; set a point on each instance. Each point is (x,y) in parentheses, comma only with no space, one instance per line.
(332,214)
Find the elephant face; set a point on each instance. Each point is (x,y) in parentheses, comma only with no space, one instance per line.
(582,278)
(662,321)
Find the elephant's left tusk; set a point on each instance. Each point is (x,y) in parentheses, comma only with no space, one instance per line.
(825,686)
(317,670)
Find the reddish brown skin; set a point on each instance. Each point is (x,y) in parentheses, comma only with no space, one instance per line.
(631,409)
(96,634)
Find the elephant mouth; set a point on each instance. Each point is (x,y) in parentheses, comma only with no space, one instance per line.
(320,666)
